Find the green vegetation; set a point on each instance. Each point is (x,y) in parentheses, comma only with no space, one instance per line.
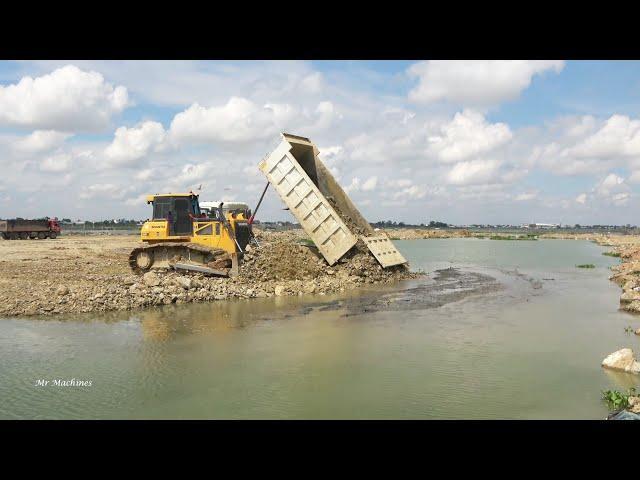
(513,237)
(629,329)
(616,399)
(586,265)
(611,254)
(394,224)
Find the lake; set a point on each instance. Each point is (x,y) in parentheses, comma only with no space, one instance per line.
(498,329)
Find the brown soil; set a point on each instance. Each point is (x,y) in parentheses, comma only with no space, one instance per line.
(91,273)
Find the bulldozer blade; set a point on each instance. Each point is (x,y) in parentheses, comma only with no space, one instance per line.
(199,269)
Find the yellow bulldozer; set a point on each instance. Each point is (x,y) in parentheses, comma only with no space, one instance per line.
(182,237)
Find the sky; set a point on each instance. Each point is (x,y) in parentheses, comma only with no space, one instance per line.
(491,142)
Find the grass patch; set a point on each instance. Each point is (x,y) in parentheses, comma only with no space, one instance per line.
(612,254)
(586,265)
(513,237)
(617,400)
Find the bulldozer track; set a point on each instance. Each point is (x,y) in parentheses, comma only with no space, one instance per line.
(167,246)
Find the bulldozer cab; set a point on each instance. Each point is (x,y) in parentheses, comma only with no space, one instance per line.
(178,210)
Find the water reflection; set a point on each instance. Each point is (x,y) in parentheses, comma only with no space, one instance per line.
(623,380)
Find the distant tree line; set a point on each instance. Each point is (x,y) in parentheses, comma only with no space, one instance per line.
(394,224)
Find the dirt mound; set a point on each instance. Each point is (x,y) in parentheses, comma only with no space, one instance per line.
(285,259)
(281,260)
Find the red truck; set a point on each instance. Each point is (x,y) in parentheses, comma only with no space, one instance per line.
(19,228)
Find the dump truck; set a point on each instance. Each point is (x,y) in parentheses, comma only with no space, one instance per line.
(318,202)
(19,228)
(182,237)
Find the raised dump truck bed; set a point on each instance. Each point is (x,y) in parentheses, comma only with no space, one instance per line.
(322,207)
(24,229)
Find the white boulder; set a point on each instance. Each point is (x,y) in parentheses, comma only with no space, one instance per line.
(622,360)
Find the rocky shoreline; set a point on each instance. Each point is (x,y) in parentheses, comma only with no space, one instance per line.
(89,274)
(627,273)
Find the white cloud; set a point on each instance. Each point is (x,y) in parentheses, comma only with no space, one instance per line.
(582,126)
(60,162)
(526,196)
(313,83)
(467,135)
(190,177)
(144,174)
(67,99)
(476,82)
(330,152)
(366,186)
(239,120)
(399,183)
(634,177)
(106,190)
(582,198)
(326,113)
(473,172)
(136,201)
(609,184)
(621,199)
(282,113)
(353,186)
(618,137)
(411,192)
(131,144)
(613,190)
(41,141)
(370,184)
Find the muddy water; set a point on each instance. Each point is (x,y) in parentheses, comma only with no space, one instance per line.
(499,329)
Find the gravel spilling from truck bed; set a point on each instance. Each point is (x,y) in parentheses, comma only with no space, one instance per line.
(91,273)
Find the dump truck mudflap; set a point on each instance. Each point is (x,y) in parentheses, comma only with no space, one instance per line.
(384,250)
(324,210)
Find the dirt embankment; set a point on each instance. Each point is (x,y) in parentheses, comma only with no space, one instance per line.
(84,274)
(418,233)
(627,273)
